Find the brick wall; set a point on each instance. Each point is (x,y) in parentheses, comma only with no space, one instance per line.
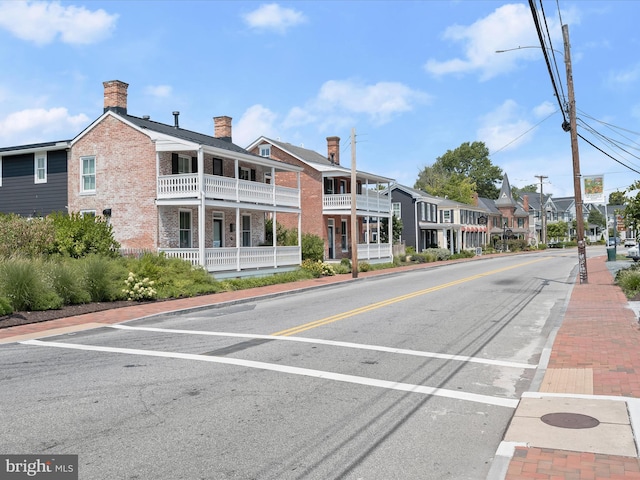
(125,181)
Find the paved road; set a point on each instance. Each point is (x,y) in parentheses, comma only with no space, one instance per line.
(411,376)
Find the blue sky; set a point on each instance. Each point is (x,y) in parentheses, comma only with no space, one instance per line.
(414,78)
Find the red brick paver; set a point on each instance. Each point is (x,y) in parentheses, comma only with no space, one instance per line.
(600,333)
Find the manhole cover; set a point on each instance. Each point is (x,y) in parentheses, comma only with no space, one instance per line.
(570,420)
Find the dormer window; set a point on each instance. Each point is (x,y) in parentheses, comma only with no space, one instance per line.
(265,150)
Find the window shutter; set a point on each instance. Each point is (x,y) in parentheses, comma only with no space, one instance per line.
(174,163)
(253,174)
(194,164)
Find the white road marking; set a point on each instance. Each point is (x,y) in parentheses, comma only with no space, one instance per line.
(372,382)
(361,346)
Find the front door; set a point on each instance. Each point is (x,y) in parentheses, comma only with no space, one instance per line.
(217,233)
(331,239)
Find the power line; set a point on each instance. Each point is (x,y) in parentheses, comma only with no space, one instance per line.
(611,157)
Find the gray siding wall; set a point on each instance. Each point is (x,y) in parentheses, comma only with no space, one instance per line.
(20,194)
(407,211)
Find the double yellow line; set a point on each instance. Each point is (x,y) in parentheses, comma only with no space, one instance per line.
(391,301)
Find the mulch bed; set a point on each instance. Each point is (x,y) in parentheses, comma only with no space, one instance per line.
(24,318)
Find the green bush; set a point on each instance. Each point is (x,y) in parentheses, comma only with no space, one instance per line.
(137,288)
(66,279)
(102,278)
(312,247)
(22,283)
(424,257)
(364,267)
(629,280)
(80,235)
(463,254)
(5,306)
(439,253)
(28,237)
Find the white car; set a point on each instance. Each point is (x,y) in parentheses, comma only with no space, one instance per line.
(634,253)
(630,242)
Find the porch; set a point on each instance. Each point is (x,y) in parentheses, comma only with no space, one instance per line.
(187,185)
(371,202)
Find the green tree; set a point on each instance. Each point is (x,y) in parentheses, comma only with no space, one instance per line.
(557,230)
(631,212)
(518,193)
(616,198)
(396,229)
(597,218)
(457,170)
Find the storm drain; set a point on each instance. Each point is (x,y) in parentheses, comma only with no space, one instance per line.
(570,420)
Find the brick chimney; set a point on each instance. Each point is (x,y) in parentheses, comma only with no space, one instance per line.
(333,150)
(222,128)
(474,198)
(525,203)
(115,96)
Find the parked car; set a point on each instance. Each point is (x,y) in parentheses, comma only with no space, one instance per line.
(634,253)
(613,241)
(629,242)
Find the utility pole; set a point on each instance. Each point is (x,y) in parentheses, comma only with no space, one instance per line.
(577,179)
(354,219)
(543,219)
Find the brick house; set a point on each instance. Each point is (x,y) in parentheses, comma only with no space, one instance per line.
(33,179)
(326,200)
(193,196)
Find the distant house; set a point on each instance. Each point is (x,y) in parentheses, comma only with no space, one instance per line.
(429,221)
(190,195)
(326,190)
(514,217)
(33,179)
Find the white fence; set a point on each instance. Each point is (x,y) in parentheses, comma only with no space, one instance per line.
(236,259)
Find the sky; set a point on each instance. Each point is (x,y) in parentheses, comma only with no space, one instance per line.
(414,79)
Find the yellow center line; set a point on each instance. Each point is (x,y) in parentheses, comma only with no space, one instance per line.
(391,301)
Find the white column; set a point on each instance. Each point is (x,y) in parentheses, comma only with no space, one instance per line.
(201,210)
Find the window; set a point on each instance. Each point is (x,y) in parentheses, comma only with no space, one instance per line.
(328,186)
(521,223)
(185,229)
(184,164)
(88,174)
(244,173)
(265,150)
(423,212)
(87,213)
(40,167)
(268,179)
(446,216)
(0,171)
(246,230)
(397,209)
(343,186)
(217,166)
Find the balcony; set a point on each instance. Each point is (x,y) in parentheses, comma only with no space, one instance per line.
(184,186)
(229,259)
(371,202)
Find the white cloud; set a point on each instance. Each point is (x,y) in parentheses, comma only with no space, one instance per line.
(42,22)
(162,91)
(509,26)
(297,117)
(625,77)
(38,124)
(255,122)
(380,101)
(544,109)
(273,17)
(504,128)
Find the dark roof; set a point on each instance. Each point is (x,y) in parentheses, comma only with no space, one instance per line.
(301,152)
(489,205)
(188,135)
(63,144)
(505,199)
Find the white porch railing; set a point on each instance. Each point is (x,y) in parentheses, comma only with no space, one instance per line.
(224,188)
(373,202)
(370,251)
(235,259)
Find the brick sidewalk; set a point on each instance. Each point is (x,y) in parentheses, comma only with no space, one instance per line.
(597,352)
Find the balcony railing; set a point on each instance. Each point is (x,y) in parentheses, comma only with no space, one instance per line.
(371,251)
(225,188)
(229,259)
(372,202)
